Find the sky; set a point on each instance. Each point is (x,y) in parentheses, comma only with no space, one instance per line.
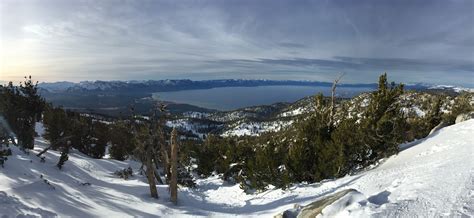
(73,40)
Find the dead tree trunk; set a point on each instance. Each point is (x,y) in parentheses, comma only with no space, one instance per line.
(53,145)
(44,151)
(332,110)
(150,172)
(166,161)
(174,167)
(164,148)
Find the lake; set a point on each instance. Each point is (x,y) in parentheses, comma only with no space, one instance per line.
(229,98)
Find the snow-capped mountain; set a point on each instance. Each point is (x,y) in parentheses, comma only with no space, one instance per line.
(450,87)
(186,84)
(174,85)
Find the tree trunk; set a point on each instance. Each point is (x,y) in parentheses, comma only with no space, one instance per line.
(166,160)
(53,144)
(150,173)
(158,178)
(44,151)
(174,167)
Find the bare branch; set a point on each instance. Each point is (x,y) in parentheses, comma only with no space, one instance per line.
(333,99)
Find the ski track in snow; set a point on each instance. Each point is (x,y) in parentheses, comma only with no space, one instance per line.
(430,178)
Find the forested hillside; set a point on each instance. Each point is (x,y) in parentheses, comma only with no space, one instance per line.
(255,149)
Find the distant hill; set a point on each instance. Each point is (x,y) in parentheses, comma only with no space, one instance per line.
(114,98)
(176,85)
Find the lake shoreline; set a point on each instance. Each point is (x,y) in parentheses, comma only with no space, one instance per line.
(218,98)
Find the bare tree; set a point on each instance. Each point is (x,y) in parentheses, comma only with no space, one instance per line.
(150,149)
(332,111)
(150,171)
(174,168)
(164,148)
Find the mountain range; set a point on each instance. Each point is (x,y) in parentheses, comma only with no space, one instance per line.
(186,84)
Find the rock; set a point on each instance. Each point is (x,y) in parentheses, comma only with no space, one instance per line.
(464,117)
(291,213)
(315,208)
(438,127)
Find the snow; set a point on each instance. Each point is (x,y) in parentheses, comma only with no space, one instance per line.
(195,114)
(414,109)
(56,86)
(365,102)
(256,128)
(293,112)
(232,116)
(455,88)
(430,178)
(196,128)
(11,205)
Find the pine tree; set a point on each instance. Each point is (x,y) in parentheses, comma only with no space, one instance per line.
(56,123)
(434,116)
(122,141)
(80,128)
(267,167)
(4,144)
(32,106)
(462,104)
(100,139)
(21,106)
(383,122)
(207,156)
(348,136)
(5,132)
(313,157)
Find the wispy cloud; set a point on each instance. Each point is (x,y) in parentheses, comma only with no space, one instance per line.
(78,40)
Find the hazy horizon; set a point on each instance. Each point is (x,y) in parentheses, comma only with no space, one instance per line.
(328,81)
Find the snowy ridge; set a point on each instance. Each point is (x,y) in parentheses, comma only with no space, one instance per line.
(429,179)
(294,112)
(195,127)
(256,128)
(454,88)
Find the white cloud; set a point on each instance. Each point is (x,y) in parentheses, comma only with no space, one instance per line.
(76,40)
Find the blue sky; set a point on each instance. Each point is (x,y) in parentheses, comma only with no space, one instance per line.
(412,40)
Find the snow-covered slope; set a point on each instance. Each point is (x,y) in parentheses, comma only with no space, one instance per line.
(430,179)
(256,128)
(434,177)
